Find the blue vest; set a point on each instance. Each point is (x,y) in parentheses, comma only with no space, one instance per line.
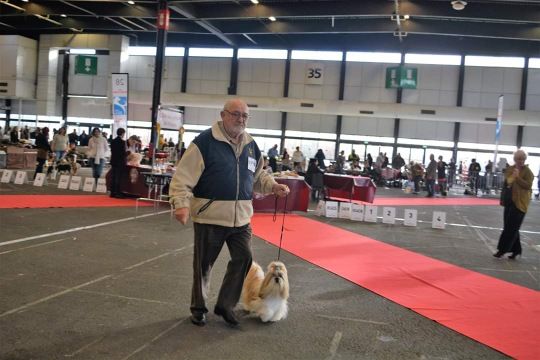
(222,170)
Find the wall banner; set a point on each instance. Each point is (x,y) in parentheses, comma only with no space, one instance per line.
(119,100)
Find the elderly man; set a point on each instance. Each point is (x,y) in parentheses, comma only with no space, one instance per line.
(214,181)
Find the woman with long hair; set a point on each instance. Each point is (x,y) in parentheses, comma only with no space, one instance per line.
(98,150)
(60,143)
(518,180)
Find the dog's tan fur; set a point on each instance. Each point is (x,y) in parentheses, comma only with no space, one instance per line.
(266,295)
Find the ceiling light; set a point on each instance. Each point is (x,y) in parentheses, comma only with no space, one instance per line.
(406,17)
(24,0)
(272,18)
(63,15)
(255,1)
(458,5)
(83,51)
(130,2)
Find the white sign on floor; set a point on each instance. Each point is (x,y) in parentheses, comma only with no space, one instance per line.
(344,210)
(63,182)
(389,215)
(88,184)
(370,213)
(410,217)
(40,179)
(6,176)
(75,183)
(331,209)
(101,186)
(357,212)
(439,220)
(20,178)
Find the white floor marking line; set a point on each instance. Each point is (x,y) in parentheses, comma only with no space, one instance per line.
(126,297)
(352,319)
(23,307)
(334,345)
(164,332)
(530,273)
(81,228)
(84,347)
(26,306)
(33,246)
(481,235)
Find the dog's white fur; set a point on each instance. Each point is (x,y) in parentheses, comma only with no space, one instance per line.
(266,295)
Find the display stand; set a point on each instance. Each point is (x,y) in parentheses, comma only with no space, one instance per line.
(155,182)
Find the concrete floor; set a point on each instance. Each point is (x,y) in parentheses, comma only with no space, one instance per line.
(121,290)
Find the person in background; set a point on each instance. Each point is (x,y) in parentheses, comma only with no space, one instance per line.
(272,156)
(370,161)
(215,181)
(312,172)
(398,162)
(43,149)
(537,196)
(441,176)
(14,135)
(353,156)
(60,143)
(98,150)
(298,160)
(73,137)
(285,161)
(431,173)
(451,172)
(25,133)
(133,144)
(417,172)
(340,163)
(320,159)
(518,179)
(118,162)
(170,143)
(83,139)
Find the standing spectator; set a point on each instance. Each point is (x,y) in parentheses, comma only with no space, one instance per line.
(285,161)
(518,180)
(298,159)
(60,143)
(537,196)
(214,182)
(43,149)
(340,163)
(320,159)
(451,172)
(441,176)
(118,163)
(417,172)
(398,162)
(370,161)
(14,135)
(133,144)
(353,156)
(83,139)
(431,173)
(272,157)
(73,137)
(474,173)
(98,149)
(385,161)
(25,133)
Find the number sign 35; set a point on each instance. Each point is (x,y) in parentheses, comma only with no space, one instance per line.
(314,73)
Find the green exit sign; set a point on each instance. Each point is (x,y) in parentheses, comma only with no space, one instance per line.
(402,77)
(86,65)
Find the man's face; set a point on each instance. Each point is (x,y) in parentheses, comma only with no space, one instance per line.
(235,118)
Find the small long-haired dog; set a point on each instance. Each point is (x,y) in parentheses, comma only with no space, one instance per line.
(265,296)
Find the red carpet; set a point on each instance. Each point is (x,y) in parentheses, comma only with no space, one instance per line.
(496,313)
(64,201)
(423,201)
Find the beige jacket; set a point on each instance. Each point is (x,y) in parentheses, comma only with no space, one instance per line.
(225,213)
(521,187)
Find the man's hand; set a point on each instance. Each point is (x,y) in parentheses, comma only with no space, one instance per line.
(280,190)
(182,215)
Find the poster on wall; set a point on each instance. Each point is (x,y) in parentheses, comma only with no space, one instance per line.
(170,118)
(119,100)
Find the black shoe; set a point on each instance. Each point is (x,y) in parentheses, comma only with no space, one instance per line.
(227,315)
(514,255)
(198,319)
(498,254)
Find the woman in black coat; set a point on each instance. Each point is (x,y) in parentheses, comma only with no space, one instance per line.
(43,149)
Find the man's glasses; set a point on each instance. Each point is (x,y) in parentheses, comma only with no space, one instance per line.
(238,115)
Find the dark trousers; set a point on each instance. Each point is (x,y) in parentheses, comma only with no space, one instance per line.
(273,164)
(416,180)
(509,240)
(116,179)
(209,240)
(430,185)
(39,166)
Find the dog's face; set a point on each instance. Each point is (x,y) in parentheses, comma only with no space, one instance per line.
(276,281)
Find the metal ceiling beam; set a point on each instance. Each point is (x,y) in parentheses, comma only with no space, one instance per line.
(204,24)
